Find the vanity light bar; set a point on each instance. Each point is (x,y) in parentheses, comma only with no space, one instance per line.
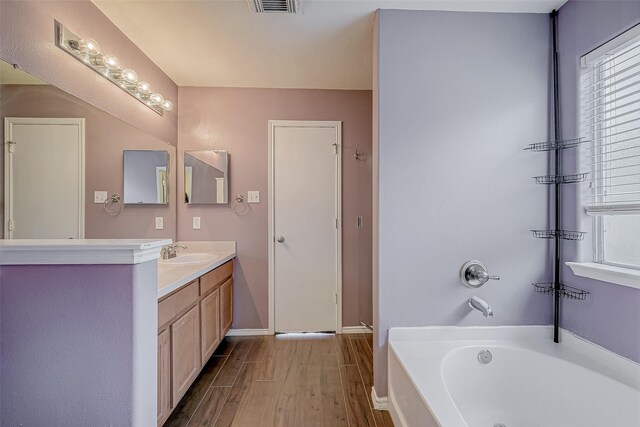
(87,51)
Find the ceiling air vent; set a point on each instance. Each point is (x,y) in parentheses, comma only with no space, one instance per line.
(275,6)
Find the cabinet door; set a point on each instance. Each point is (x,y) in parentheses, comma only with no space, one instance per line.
(164,376)
(226,307)
(185,352)
(209,324)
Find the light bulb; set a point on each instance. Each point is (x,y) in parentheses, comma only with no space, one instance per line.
(156,99)
(167,105)
(111,62)
(96,61)
(143,88)
(129,76)
(89,46)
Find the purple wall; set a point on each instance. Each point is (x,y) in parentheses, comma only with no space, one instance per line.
(78,345)
(458,96)
(611,315)
(105,139)
(27,39)
(237,120)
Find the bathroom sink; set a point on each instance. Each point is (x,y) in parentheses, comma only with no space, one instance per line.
(185,259)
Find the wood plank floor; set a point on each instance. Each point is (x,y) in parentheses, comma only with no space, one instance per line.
(302,380)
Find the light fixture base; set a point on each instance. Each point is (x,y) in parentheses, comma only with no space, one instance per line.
(66,40)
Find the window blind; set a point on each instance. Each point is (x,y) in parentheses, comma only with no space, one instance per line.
(610,121)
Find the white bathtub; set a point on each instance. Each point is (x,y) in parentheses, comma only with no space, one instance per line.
(436,379)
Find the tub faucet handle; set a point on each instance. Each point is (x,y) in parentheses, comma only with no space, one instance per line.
(482,275)
(474,274)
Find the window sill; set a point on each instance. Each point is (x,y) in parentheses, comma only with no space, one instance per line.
(607,273)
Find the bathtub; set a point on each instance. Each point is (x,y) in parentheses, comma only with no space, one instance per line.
(436,378)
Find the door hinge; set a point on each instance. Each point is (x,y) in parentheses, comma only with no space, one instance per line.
(11,146)
(335,146)
(10,225)
(335,294)
(336,223)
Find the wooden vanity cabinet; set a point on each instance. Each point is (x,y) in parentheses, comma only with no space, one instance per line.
(191,324)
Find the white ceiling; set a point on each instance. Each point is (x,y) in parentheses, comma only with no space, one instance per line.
(12,76)
(328,44)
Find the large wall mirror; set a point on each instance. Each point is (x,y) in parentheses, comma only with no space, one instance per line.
(146,177)
(206,177)
(64,154)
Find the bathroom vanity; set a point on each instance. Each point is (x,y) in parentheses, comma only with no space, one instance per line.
(195,311)
(83,323)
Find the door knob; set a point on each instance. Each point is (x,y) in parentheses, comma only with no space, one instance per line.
(280,239)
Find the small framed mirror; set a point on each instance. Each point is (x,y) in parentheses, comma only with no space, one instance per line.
(146,177)
(206,178)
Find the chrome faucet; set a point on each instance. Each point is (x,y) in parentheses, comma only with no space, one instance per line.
(170,251)
(480,305)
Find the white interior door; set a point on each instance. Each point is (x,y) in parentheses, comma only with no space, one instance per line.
(305,202)
(44,178)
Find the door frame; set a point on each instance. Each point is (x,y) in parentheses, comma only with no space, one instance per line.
(161,184)
(337,125)
(8,164)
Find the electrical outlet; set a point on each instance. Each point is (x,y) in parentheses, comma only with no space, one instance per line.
(99,196)
(159,223)
(196,223)
(253,196)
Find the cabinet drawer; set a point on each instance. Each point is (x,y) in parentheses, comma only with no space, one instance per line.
(176,303)
(215,277)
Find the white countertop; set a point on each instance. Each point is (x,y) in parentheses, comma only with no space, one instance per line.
(79,251)
(173,277)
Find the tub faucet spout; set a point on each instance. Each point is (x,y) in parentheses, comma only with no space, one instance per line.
(481,305)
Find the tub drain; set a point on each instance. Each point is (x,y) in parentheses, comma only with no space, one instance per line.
(485,356)
(499,425)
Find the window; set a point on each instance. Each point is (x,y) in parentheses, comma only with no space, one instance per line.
(610,120)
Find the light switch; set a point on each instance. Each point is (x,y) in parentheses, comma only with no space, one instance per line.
(196,223)
(159,223)
(99,196)
(253,196)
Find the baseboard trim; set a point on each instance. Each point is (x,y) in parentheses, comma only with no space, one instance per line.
(355,330)
(379,403)
(247,332)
